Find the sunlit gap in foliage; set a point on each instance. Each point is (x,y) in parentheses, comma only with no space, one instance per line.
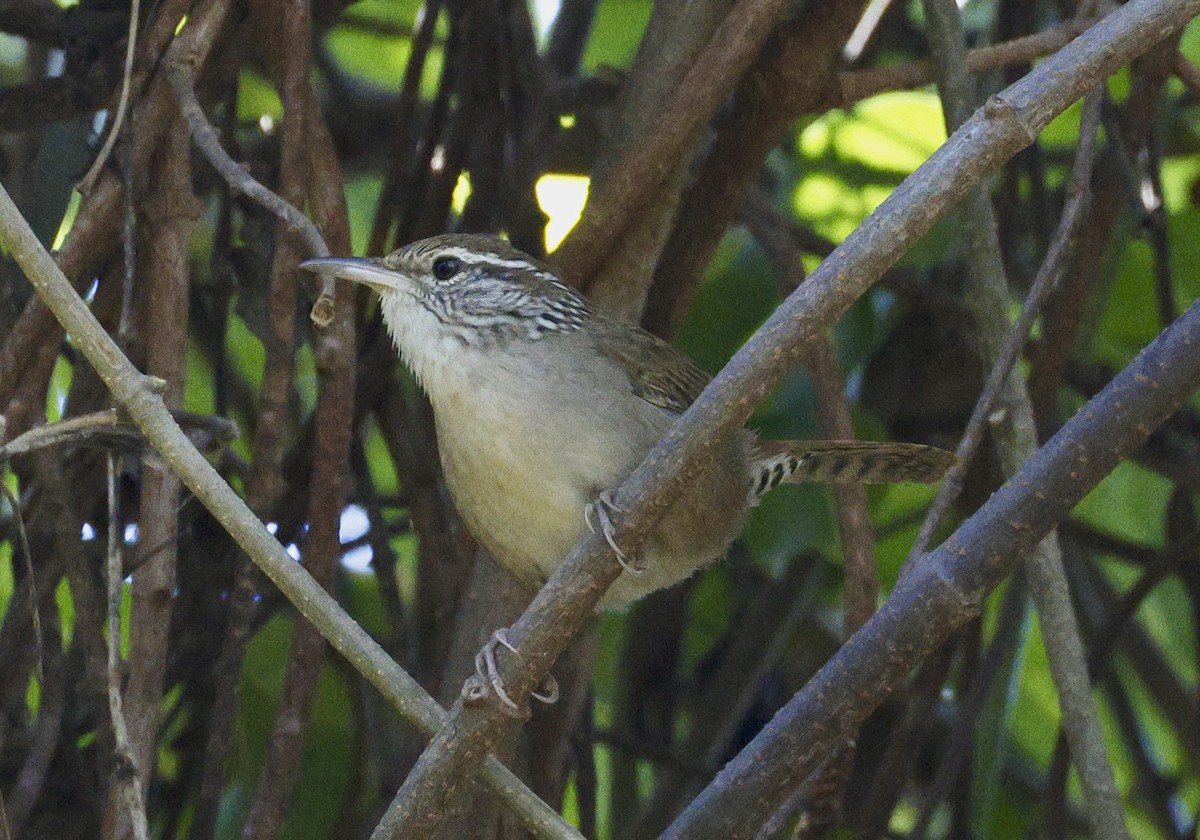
(561,198)
(545,12)
(462,191)
(60,386)
(354,525)
(892,134)
(14,50)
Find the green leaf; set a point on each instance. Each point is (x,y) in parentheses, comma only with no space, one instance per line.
(616,31)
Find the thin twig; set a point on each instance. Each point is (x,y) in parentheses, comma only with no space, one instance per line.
(181,71)
(182,76)
(107,428)
(126,776)
(27,556)
(392,189)
(1050,272)
(85,185)
(144,405)
(856,85)
(1015,434)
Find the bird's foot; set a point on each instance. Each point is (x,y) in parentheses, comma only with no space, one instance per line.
(600,508)
(486,678)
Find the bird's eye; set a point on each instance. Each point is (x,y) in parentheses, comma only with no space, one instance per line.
(446,267)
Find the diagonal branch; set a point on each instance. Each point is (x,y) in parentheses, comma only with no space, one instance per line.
(143,402)
(948,588)
(635,179)
(1009,122)
(181,67)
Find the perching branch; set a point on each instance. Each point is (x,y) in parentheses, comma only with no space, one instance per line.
(1010,121)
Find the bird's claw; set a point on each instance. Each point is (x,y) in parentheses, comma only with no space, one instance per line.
(486,679)
(603,504)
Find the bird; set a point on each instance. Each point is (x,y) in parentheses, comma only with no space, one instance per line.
(543,405)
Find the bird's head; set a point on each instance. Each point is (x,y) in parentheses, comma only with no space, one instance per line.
(449,293)
(479,289)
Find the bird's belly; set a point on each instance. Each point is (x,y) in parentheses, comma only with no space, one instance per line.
(527,523)
(522,461)
(521,482)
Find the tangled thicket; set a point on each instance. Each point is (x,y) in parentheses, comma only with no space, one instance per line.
(730,147)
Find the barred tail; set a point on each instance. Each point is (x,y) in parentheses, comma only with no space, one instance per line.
(844,462)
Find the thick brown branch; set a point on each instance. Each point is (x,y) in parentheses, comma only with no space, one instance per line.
(949,586)
(636,178)
(793,75)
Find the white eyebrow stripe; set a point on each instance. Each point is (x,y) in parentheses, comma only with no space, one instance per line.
(491,260)
(476,258)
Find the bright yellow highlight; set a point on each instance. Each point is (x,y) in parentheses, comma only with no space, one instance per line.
(561,197)
(462,191)
(891,133)
(68,219)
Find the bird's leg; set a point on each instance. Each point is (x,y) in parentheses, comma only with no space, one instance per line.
(487,676)
(603,504)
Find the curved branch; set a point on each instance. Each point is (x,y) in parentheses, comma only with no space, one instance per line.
(181,71)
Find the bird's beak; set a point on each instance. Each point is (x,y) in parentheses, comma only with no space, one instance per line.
(369,271)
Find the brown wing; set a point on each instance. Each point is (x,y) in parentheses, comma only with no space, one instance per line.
(658,373)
